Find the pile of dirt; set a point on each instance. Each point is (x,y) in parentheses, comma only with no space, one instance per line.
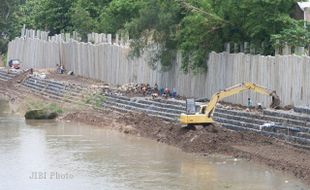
(209,140)
(9,90)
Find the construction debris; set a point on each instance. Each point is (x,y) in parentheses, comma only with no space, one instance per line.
(39,75)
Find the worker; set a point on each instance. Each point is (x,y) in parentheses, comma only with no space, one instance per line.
(167,92)
(58,69)
(249,103)
(14,64)
(174,93)
(155,88)
(62,69)
(148,89)
(144,89)
(161,91)
(11,63)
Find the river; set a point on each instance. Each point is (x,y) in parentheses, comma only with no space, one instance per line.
(59,155)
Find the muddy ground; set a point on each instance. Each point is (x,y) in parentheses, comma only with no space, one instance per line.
(77,80)
(213,139)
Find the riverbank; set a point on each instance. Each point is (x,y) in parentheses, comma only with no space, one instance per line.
(212,140)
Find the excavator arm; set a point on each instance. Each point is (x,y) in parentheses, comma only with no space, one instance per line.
(206,112)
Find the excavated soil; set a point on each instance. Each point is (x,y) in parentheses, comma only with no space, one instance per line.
(10,90)
(72,79)
(209,140)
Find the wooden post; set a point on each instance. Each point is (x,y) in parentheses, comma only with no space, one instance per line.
(262,48)
(67,35)
(37,34)
(287,49)
(252,48)
(246,47)
(227,47)
(126,39)
(236,48)
(109,39)
(299,51)
(33,34)
(116,39)
(104,38)
(242,47)
(277,51)
(88,37)
(23,31)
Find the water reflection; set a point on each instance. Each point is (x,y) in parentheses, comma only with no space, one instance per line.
(4,107)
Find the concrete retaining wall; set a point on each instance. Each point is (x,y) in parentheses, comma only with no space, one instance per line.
(288,75)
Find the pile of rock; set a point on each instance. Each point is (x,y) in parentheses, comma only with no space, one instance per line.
(137,89)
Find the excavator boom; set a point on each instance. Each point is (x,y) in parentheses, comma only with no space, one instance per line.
(206,111)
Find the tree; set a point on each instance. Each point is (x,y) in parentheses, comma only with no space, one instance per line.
(156,26)
(56,17)
(117,13)
(201,31)
(198,27)
(46,15)
(296,36)
(7,9)
(84,17)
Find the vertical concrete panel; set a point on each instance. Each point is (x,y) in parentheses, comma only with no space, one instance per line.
(105,63)
(118,68)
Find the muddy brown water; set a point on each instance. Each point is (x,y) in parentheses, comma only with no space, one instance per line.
(57,155)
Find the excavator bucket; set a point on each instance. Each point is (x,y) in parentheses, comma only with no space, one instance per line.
(275,103)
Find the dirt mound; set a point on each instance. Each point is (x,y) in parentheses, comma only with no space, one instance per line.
(211,139)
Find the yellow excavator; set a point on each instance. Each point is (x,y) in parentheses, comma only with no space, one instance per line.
(205,114)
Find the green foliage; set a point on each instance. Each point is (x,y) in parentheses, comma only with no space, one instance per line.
(156,27)
(32,14)
(4,59)
(7,24)
(51,107)
(198,27)
(83,15)
(95,99)
(198,36)
(117,14)
(54,108)
(55,16)
(193,27)
(297,36)
(3,44)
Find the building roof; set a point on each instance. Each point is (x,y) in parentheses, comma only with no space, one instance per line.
(304,5)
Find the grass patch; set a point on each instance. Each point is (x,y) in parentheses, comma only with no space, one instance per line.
(4,58)
(40,105)
(95,99)
(54,108)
